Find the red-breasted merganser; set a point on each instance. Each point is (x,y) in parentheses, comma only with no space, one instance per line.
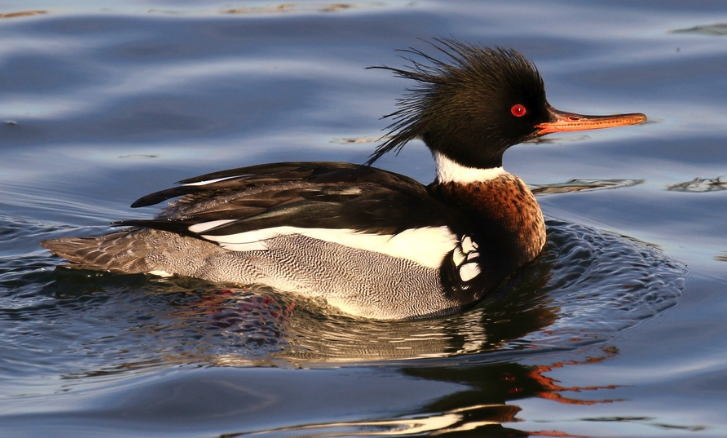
(372,243)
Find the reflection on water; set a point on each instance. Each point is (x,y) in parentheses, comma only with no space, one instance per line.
(22,14)
(487,402)
(700,185)
(485,418)
(264,10)
(583,185)
(302,7)
(717,29)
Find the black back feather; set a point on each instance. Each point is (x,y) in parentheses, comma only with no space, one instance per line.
(306,195)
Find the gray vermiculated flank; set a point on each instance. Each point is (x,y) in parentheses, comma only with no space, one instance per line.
(360,282)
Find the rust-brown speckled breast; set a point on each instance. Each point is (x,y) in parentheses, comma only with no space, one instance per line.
(508,220)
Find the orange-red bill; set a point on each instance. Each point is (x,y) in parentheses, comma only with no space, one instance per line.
(562,121)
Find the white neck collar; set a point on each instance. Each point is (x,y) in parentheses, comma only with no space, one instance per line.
(451,171)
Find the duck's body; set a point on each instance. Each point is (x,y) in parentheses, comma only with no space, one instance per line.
(371,242)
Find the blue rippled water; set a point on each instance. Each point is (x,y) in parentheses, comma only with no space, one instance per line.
(617,330)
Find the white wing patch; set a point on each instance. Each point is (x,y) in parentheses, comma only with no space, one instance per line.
(210,181)
(468,245)
(427,246)
(204,226)
(161,273)
(468,271)
(464,259)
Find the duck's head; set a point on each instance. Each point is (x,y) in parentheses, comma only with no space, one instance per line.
(479,103)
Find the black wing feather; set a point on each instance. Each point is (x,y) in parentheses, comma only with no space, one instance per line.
(307,195)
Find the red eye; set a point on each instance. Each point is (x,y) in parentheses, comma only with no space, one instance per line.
(518,110)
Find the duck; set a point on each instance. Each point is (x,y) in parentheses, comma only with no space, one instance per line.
(370,242)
